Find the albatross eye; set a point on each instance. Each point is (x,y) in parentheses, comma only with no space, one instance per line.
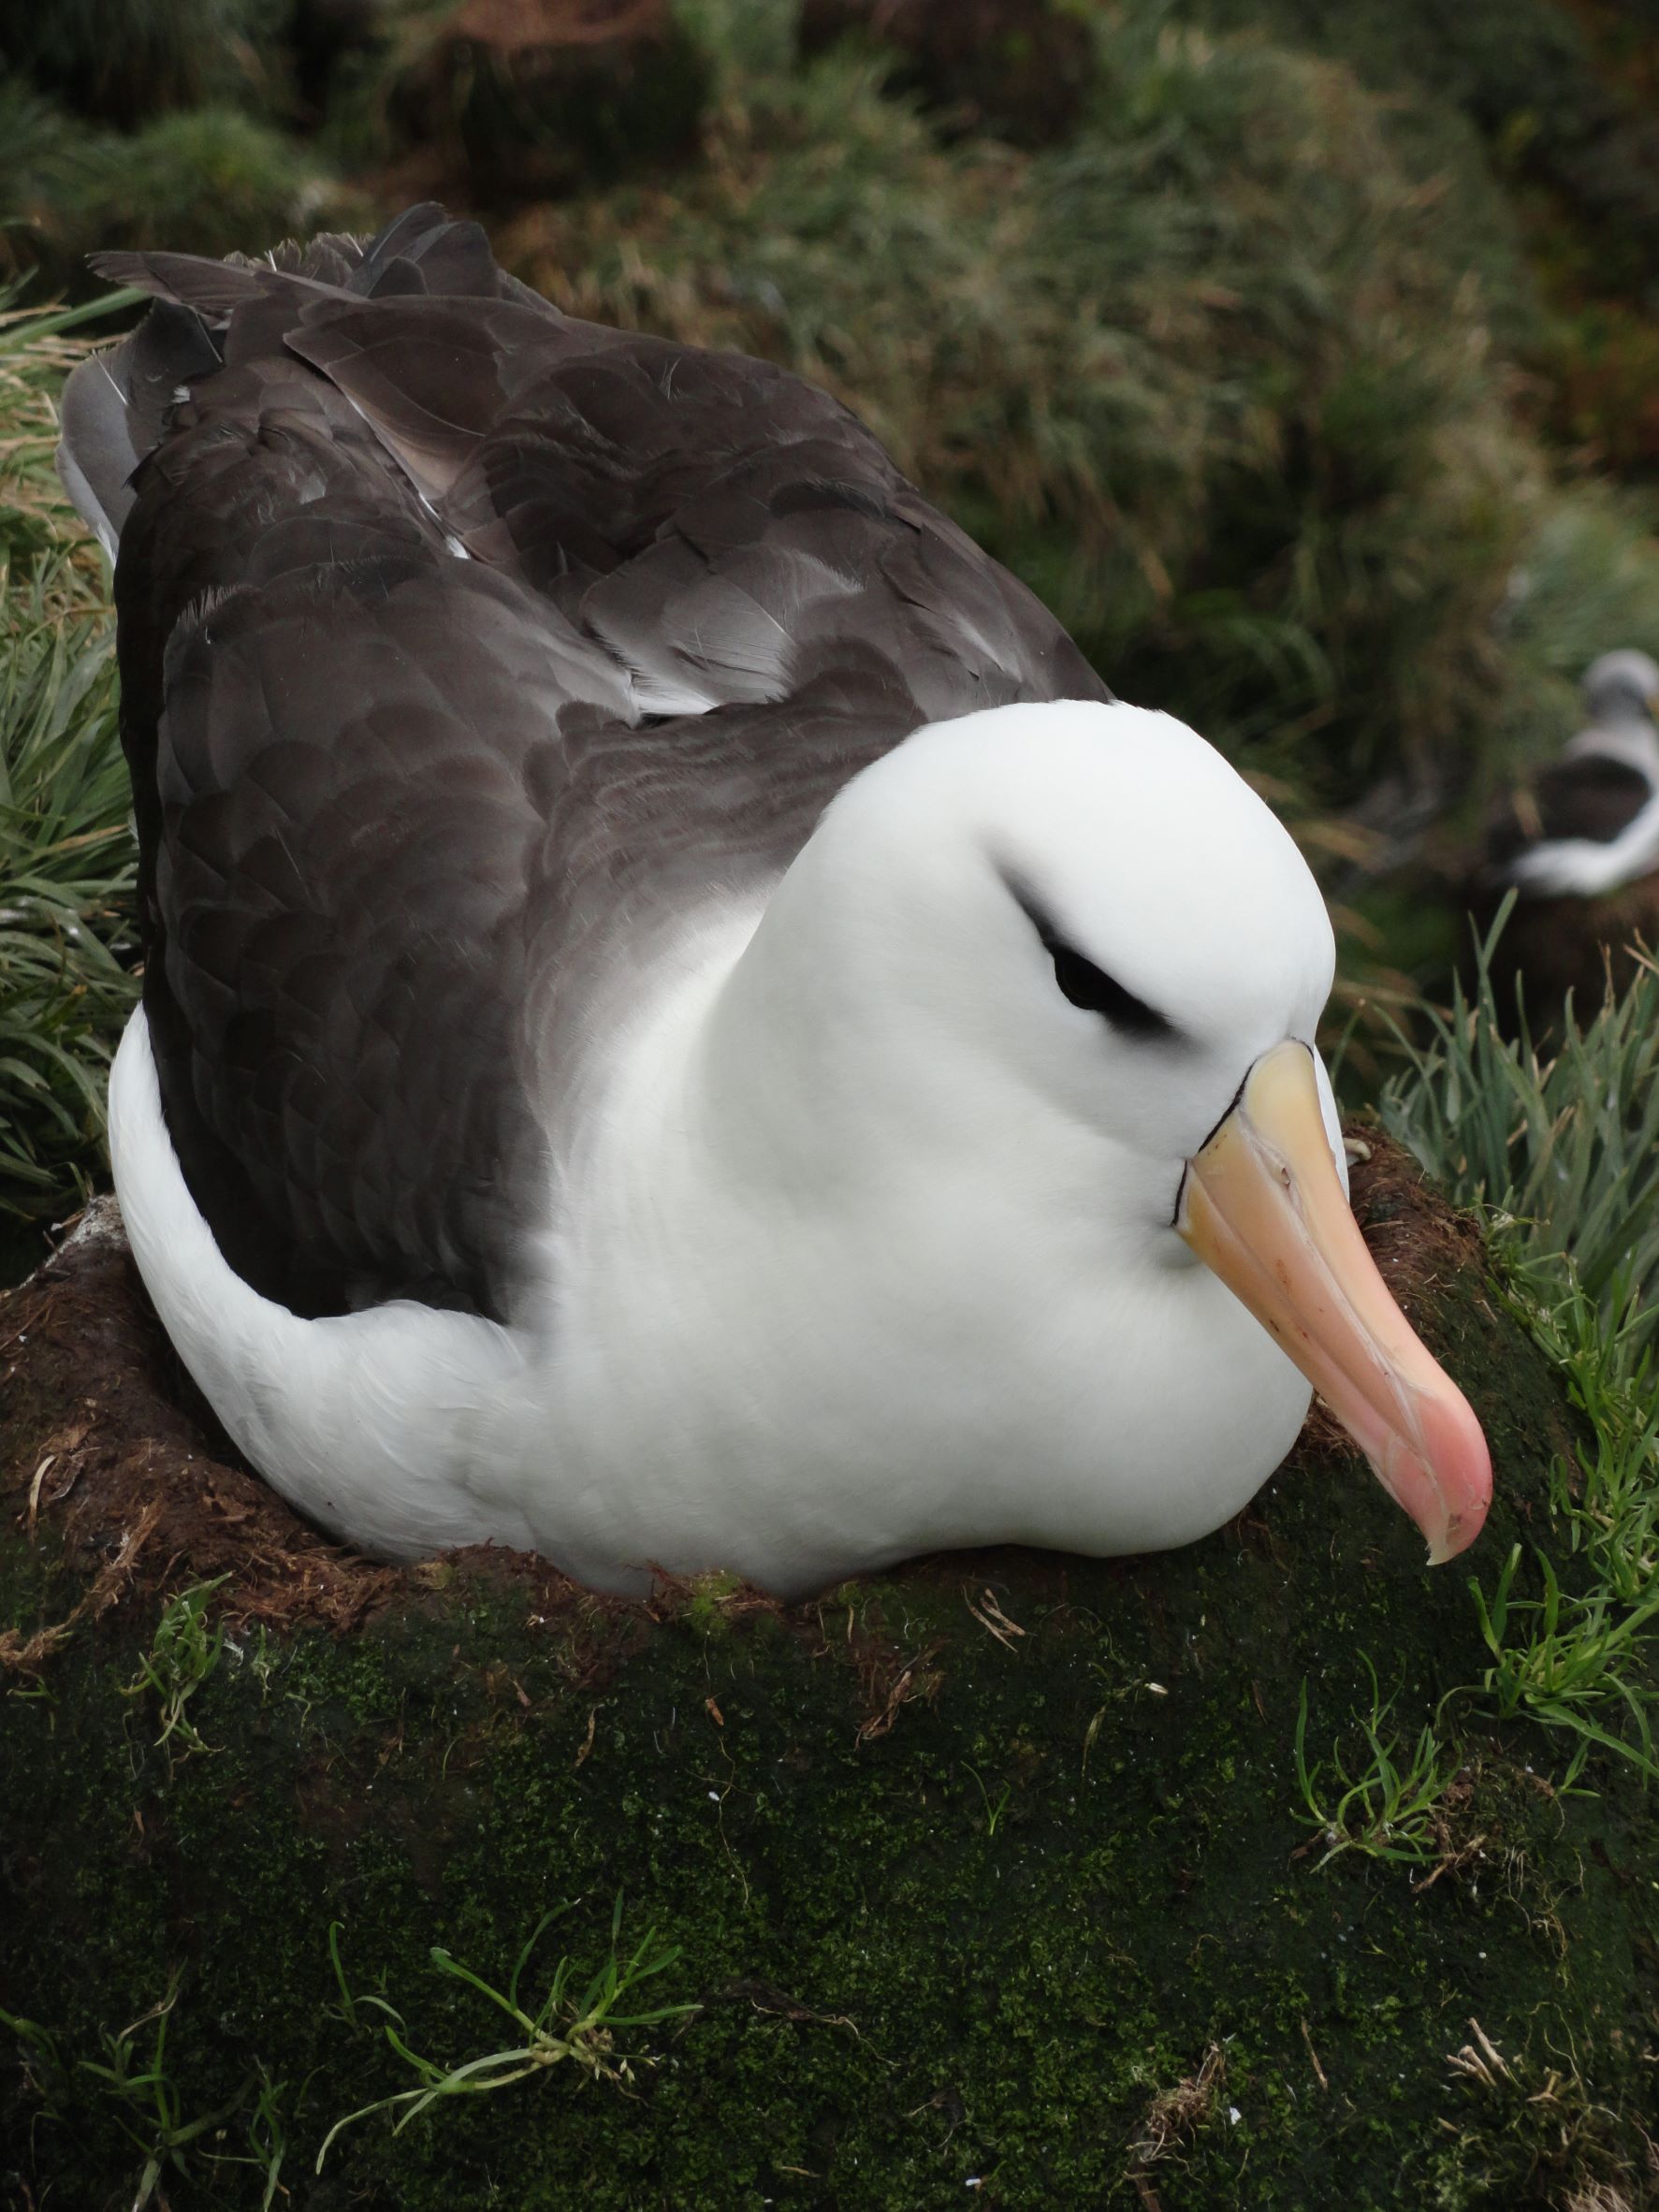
(1090,987)
(1095,992)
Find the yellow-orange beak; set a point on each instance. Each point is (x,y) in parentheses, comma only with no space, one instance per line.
(1263,1207)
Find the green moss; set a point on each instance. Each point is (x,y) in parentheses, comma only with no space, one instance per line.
(956,1907)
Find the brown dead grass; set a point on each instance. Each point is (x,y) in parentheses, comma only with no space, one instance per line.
(1174,2116)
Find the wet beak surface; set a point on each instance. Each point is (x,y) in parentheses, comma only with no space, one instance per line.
(1263,1207)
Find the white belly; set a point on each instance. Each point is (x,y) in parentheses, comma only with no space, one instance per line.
(793,1405)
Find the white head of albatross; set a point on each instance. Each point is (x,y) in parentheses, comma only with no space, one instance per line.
(1621,687)
(978,1152)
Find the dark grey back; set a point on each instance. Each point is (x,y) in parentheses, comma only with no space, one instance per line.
(463,646)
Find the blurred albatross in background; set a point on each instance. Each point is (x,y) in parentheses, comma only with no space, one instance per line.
(1578,843)
(682,1026)
(1589,823)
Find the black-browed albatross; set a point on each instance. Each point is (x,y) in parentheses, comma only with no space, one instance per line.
(682,1025)
(1589,823)
(1577,843)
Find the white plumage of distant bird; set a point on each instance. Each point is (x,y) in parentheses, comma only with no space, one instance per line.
(1589,823)
(1577,842)
(683,1027)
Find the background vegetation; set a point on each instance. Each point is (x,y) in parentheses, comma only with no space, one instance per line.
(67,855)
(1301,354)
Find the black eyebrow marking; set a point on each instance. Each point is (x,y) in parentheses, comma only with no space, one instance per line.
(1088,986)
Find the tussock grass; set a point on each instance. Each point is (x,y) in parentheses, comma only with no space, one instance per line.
(1560,1153)
(67,871)
(1229,379)
(1558,1148)
(206,179)
(1558,92)
(1589,575)
(66,852)
(220,179)
(126,65)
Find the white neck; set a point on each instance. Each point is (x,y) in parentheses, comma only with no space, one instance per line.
(788,1184)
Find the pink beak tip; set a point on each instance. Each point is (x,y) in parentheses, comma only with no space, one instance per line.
(1455,1536)
(1462,1484)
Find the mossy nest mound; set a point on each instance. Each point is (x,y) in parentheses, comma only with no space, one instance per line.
(992,1880)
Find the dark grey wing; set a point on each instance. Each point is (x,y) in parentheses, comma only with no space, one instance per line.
(422,250)
(718,524)
(787,607)
(463,648)
(338,997)
(116,407)
(345,747)
(344,740)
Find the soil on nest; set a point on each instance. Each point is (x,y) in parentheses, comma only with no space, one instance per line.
(108,1446)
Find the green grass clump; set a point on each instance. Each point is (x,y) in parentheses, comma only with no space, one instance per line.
(575,2026)
(1556,92)
(1559,1150)
(1556,101)
(137,2088)
(203,180)
(126,64)
(183,1655)
(66,853)
(1388,1806)
(210,181)
(43,159)
(1576,1662)
(149,2110)
(67,871)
